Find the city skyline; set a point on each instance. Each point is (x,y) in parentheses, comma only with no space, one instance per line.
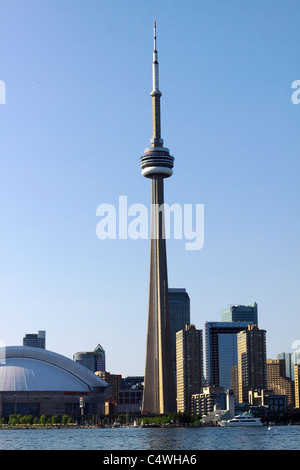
(76,117)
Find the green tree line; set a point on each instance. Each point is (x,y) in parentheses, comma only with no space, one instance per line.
(172,418)
(14,420)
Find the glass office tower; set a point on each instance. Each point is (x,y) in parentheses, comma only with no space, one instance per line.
(221,352)
(93,360)
(179,308)
(35,340)
(246,313)
(289,364)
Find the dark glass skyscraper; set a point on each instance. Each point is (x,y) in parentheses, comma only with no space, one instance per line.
(221,351)
(157,163)
(179,305)
(35,340)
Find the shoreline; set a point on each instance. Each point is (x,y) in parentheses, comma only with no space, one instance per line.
(78,426)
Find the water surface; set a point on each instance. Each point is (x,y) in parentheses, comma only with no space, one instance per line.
(202,438)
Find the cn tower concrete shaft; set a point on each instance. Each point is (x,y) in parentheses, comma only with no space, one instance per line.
(159,389)
(157,164)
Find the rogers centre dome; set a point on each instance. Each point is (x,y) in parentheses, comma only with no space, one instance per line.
(37,381)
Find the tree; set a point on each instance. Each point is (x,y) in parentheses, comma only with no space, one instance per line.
(121,418)
(23,420)
(55,419)
(66,419)
(12,420)
(43,419)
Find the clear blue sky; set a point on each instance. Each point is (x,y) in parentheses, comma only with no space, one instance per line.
(77,119)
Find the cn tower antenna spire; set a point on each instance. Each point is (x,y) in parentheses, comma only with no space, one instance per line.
(156,94)
(155,65)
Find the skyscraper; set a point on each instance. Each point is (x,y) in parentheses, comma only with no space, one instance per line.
(297,385)
(289,366)
(221,352)
(93,360)
(189,370)
(35,340)
(277,380)
(157,164)
(290,361)
(179,305)
(246,313)
(252,365)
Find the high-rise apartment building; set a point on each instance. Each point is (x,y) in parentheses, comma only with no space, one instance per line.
(277,381)
(252,373)
(113,381)
(246,313)
(35,340)
(179,305)
(157,164)
(93,360)
(221,352)
(189,366)
(297,385)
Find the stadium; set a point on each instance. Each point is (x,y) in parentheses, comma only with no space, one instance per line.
(35,381)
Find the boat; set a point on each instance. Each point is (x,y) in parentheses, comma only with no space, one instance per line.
(245,419)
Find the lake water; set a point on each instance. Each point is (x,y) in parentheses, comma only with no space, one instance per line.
(148,439)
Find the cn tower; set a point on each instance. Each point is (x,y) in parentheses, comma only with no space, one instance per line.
(157,164)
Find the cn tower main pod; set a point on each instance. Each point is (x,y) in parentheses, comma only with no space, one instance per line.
(157,164)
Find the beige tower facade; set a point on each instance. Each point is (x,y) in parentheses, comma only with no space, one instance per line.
(252,372)
(277,380)
(297,385)
(189,366)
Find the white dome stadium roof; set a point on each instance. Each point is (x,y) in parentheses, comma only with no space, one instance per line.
(34,369)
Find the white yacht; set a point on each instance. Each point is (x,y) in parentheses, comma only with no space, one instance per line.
(245,419)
